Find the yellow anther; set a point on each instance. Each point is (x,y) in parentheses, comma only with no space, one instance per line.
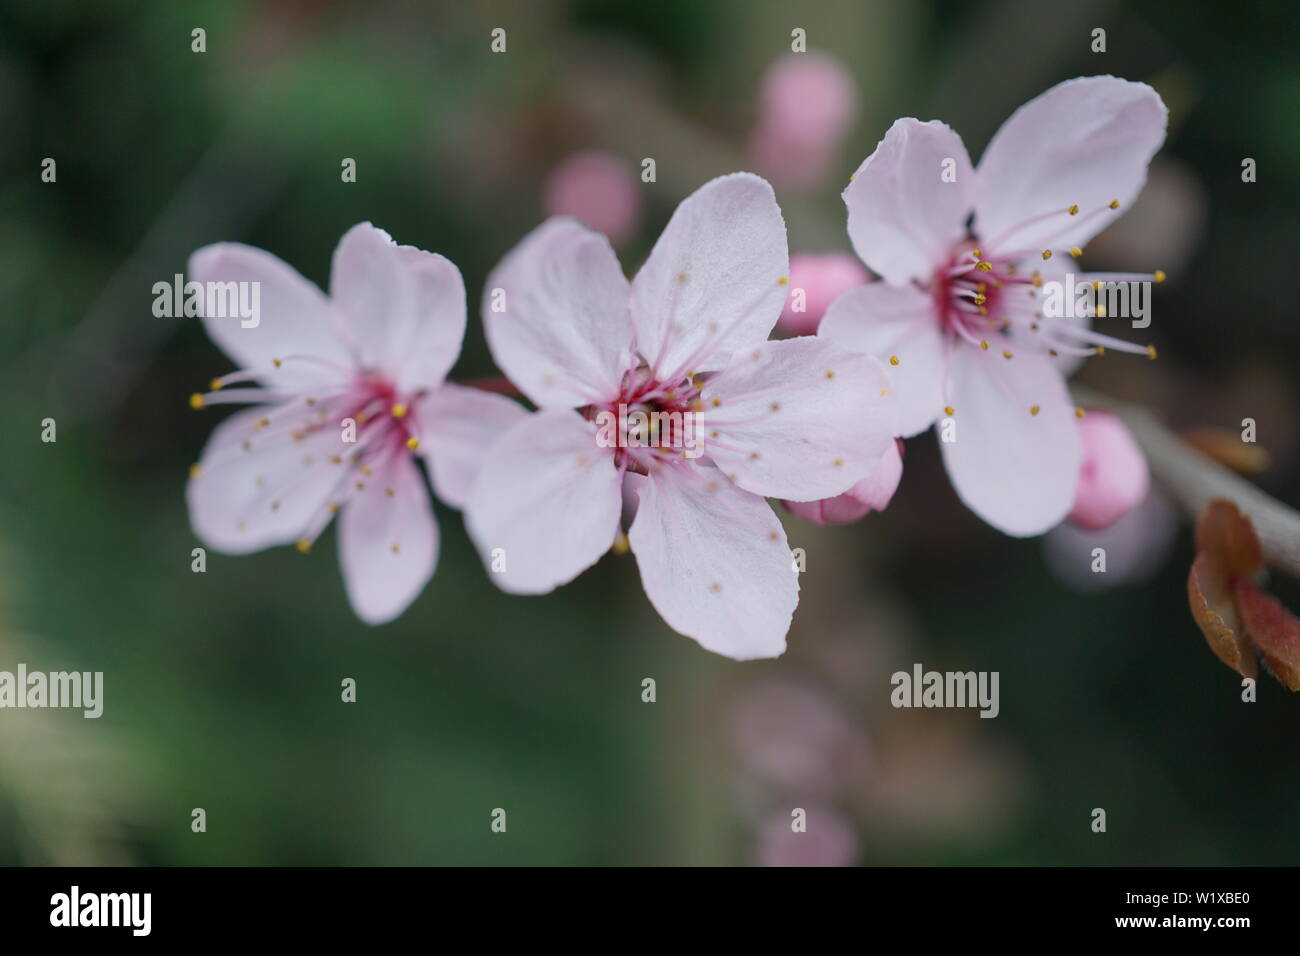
(893,360)
(365,469)
(1074,210)
(303,546)
(215,385)
(1047,253)
(715,401)
(1052,352)
(396,548)
(1159,275)
(196,401)
(984,345)
(1101,350)
(1078,412)
(977,254)
(361,486)
(334,507)
(263,422)
(947,410)
(984,266)
(980,299)
(838,462)
(784,280)
(1076,252)
(276,362)
(1151,351)
(412,443)
(1033,409)
(398,410)
(194,470)
(1006,354)
(389,492)
(1114,204)
(830,373)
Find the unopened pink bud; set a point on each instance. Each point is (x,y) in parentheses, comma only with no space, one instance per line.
(815,282)
(1113,478)
(597,189)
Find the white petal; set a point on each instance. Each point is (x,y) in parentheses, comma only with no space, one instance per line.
(800,419)
(713,283)
(888,321)
(555,314)
(1084,142)
(294,318)
(388,541)
(1015,469)
(257,485)
(546,503)
(909,200)
(714,561)
(458,425)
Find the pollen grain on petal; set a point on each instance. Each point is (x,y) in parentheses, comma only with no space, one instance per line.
(1079,412)
(1033,409)
(893,360)
(716,587)
(948,410)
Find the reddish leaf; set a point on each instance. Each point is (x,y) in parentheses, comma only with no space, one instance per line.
(1209,593)
(1226,534)
(1271,628)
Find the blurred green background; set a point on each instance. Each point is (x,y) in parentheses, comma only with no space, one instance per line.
(222,689)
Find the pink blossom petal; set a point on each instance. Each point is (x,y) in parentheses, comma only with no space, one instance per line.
(374,293)
(1084,142)
(563,334)
(800,418)
(546,503)
(1015,468)
(888,321)
(716,279)
(872,493)
(904,213)
(422,357)
(599,190)
(457,425)
(388,541)
(1114,478)
(714,561)
(819,280)
(257,485)
(294,318)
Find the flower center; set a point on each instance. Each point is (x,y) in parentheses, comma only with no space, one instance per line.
(650,422)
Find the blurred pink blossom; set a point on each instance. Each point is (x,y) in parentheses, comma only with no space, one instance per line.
(1135,546)
(872,493)
(797,739)
(597,189)
(807,101)
(1113,478)
(821,277)
(829,840)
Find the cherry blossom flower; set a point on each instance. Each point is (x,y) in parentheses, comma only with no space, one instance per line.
(800,419)
(957,315)
(349,391)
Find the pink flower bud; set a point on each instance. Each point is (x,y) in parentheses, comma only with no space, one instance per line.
(815,282)
(1114,477)
(806,104)
(597,189)
(872,493)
